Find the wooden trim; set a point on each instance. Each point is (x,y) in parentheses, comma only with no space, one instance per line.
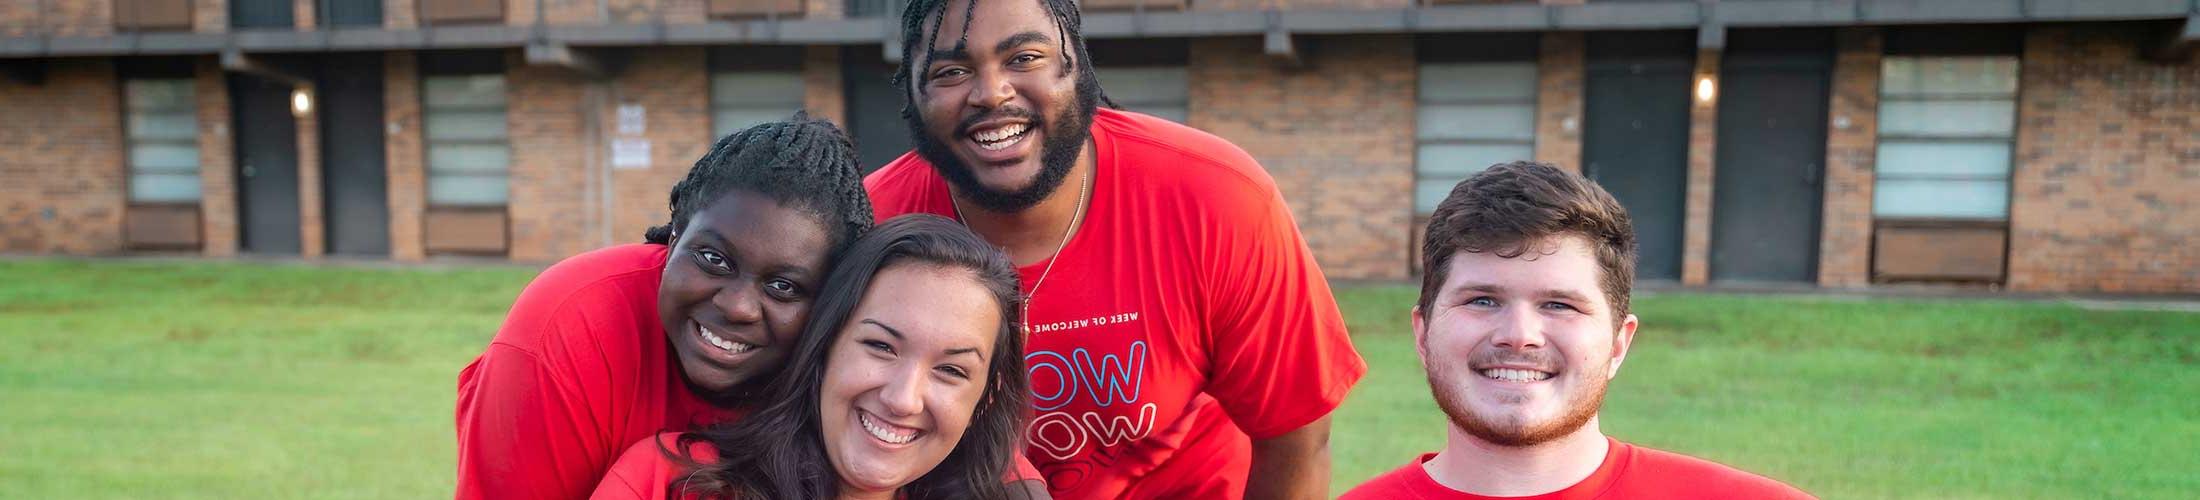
(468,230)
(152,15)
(755,8)
(163,226)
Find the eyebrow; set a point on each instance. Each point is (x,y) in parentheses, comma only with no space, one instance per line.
(961,52)
(898,336)
(1020,39)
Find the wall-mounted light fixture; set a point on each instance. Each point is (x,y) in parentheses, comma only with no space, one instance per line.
(301,102)
(1707,89)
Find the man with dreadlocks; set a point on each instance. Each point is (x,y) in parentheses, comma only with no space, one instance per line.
(1182,339)
(613,346)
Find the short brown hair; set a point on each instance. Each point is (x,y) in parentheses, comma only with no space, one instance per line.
(1510,208)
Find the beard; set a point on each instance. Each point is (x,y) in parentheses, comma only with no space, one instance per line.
(1065,139)
(1513,429)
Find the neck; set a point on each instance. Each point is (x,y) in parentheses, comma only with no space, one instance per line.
(850,492)
(1479,467)
(1034,234)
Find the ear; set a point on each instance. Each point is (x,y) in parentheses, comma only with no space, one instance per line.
(1420,334)
(1622,341)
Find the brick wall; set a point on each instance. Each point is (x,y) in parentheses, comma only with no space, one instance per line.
(18,18)
(65,176)
(550,178)
(1852,142)
(217,161)
(554,12)
(823,85)
(674,86)
(79,17)
(400,14)
(1336,133)
(1560,80)
(207,16)
(1703,145)
(403,156)
(2105,194)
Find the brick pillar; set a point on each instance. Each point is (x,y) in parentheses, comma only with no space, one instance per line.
(1336,133)
(217,162)
(407,171)
(312,229)
(400,15)
(549,132)
(822,85)
(1852,148)
(1703,145)
(302,14)
(63,174)
(79,17)
(826,9)
(673,85)
(210,16)
(1559,100)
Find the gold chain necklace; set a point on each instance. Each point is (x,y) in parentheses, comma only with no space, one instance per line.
(1075,220)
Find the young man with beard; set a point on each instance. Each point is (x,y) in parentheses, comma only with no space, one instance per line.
(1181,336)
(1522,321)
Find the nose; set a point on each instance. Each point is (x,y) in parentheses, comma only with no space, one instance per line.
(904,394)
(1519,328)
(740,303)
(993,90)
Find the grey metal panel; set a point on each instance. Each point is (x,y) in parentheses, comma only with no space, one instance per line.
(1627,15)
(89,45)
(1164,24)
(614,34)
(366,39)
(1347,21)
(2099,9)
(832,30)
(278,40)
(21,46)
(181,43)
(701,33)
(1912,11)
(1482,18)
(457,37)
(1786,12)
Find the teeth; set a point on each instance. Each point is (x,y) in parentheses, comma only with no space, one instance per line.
(996,139)
(722,343)
(880,432)
(1515,375)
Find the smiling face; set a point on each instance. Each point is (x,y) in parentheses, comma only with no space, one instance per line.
(1519,350)
(999,105)
(904,379)
(736,290)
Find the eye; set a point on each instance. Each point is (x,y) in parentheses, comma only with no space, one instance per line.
(949,72)
(783,289)
(1021,59)
(1562,306)
(954,371)
(879,347)
(1482,302)
(714,260)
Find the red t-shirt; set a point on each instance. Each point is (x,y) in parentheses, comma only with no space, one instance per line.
(1187,307)
(645,473)
(1628,471)
(579,371)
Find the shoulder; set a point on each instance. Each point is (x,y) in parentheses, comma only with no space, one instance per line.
(648,468)
(617,281)
(1409,481)
(902,185)
(1167,153)
(1701,476)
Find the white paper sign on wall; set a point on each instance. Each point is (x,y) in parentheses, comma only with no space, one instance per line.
(629,153)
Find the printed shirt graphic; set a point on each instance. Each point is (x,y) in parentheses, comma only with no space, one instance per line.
(1186,316)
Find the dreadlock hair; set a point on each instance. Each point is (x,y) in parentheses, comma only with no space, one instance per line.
(1068,27)
(802,163)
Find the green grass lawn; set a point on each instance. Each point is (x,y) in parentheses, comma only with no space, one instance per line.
(215,380)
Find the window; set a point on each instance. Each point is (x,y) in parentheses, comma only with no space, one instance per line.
(743,99)
(469,154)
(1471,116)
(1946,129)
(1162,91)
(163,133)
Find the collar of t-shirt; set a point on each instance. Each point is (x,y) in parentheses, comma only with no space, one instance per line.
(1590,487)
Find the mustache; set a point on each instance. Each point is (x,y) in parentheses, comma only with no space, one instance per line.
(1037,122)
(1538,359)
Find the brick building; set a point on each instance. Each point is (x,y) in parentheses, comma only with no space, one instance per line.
(2041,145)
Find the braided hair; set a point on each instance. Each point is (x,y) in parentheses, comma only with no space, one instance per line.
(802,163)
(920,14)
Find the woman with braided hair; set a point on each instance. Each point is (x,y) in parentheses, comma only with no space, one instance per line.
(613,346)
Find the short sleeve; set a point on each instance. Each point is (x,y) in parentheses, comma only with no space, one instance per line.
(530,430)
(1280,355)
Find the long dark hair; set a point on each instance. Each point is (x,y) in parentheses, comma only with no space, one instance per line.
(777,452)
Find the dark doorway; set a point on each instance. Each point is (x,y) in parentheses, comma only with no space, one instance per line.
(1635,137)
(354,187)
(362,13)
(261,14)
(1772,146)
(874,108)
(267,164)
